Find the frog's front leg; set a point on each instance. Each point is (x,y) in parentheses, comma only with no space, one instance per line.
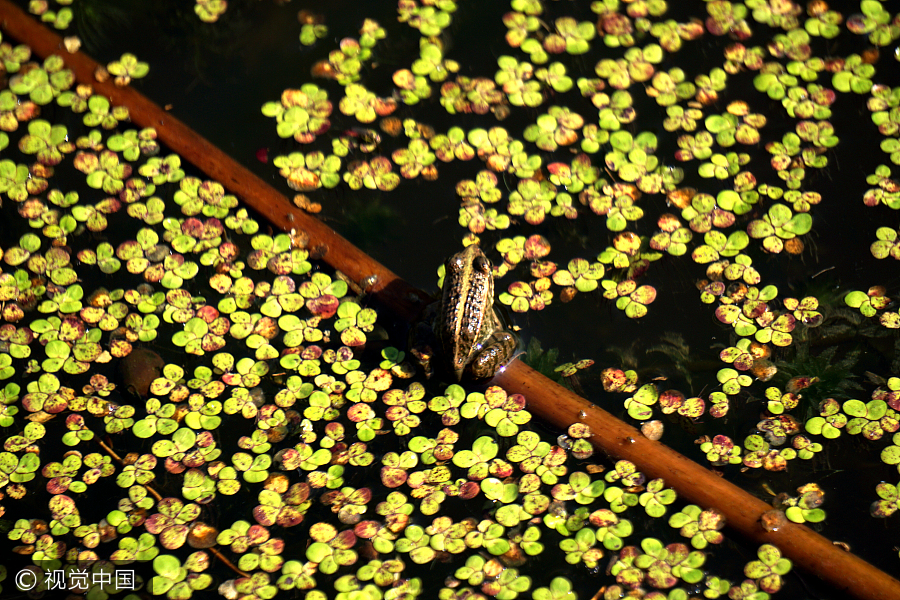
(495,353)
(421,343)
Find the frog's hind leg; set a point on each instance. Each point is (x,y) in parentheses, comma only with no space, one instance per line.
(496,351)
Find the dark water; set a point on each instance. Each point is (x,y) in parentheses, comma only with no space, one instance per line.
(215,78)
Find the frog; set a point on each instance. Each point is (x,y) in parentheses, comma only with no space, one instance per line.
(472,338)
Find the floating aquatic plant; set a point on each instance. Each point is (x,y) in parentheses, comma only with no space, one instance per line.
(57,19)
(805,508)
(302,114)
(311,32)
(128,67)
(429,19)
(466,95)
(769,569)
(209,11)
(42,84)
(516,80)
(868,303)
(721,450)
(415,160)
(284,382)
(854,75)
(432,63)
(778,227)
(556,128)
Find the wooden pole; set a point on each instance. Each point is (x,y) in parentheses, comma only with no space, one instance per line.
(847,572)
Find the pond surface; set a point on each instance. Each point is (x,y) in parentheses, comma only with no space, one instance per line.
(829,207)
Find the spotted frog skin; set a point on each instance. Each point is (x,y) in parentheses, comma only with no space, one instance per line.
(472,338)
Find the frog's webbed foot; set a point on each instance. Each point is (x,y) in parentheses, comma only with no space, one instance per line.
(420,348)
(424,357)
(496,352)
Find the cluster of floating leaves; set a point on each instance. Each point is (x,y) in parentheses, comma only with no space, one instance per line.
(209,11)
(300,428)
(631,158)
(272,348)
(277,348)
(265,292)
(778,217)
(56,17)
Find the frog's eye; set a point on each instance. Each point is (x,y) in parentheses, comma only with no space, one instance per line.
(455,265)
(482,263)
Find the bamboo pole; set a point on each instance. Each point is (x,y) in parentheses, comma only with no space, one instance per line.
(813,552)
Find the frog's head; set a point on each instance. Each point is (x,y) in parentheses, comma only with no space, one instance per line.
(471,260)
